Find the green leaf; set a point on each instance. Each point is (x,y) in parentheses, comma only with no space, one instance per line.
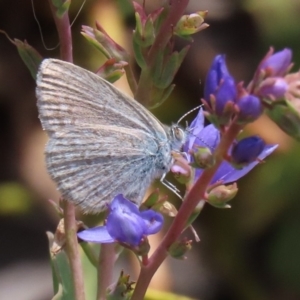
(171,67)
(287,118)
(166,67)
(139,56)
(159,20)
(59,294)
(97,44)
(151,200)
(61,273)
(90,272)
(149,35)
(90,253)
(29,55)
(157,68)
(144,33)
(115,75)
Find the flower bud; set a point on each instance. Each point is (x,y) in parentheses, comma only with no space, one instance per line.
(99,38)
(181,169)
(277,64)
(167,209)
(219,92)
(273,88)
(121,289)
(190,24)
(250,108)
(178,249)
(220,195)
(180,176)
(150,201)
(203,158)
(246,151)
(268,80)
(112,70)
(144,33)
(225,94)
(142,249)
(216,74)
(196,212)
(157,204)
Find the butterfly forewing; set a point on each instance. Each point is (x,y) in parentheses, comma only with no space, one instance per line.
(68,94)
(102,142)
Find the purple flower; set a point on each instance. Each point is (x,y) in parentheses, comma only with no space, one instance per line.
(220,84)
(125,223)
(209,136)
(250,108)
(247,150)
(278,63)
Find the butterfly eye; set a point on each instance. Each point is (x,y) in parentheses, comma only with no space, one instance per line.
(179,134)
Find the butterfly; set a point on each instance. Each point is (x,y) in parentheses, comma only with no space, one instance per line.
(101,141)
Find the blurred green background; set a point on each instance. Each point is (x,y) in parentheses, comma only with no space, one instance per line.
(251,251)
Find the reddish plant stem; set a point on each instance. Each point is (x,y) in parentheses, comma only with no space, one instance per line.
(145,260)
(64,33)
(73,250)
(65,39)
(166,31)
(105,269)
(190,202)
(177,8)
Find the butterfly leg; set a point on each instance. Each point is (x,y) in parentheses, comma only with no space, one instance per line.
(170,186)
(174,189)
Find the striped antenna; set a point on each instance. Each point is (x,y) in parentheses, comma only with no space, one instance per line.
(188,113)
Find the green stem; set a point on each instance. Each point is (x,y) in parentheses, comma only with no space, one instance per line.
(190,202)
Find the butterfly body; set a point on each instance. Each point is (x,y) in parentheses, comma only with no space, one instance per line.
(101,141)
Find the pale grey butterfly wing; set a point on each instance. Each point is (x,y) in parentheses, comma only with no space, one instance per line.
(102,142)
(70,95)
